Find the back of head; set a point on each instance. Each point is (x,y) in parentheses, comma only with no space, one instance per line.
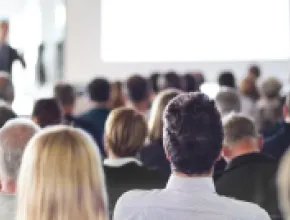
(237,128)
(227,78)
(228,100)
(159,104)
(190,83)
(170,80)
(271,88)
(61,177)
(154,81)
(47,112)
(125,132)
(14,136)
(270,112)
(138,89)
(6,89)
(254,71)
(284,185)
(192,134)
(6,113)
(65,94)
(99,90)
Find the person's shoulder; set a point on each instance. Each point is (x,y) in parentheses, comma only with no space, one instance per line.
(245,210)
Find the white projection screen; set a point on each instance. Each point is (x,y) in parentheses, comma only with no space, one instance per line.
(194,30)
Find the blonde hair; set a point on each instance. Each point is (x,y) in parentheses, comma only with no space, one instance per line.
(159,104)
(284,185)
(61,178)
(125,132)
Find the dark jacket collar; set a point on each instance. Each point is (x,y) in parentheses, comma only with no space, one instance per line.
(248,159)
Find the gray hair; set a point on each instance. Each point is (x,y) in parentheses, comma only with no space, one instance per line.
(238,127)
(228,100)
(14,136)
(271,87)
(6,88)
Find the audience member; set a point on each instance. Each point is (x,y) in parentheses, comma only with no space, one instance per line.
(228,100)
(193,136)
(284,185)
(125,133)
(170,80)
(248,102)
(14,137)
(6,88)
(65,94)
(47,112)
(277,144)
(153,79)
(190,83)
(251,79)
(117,97)
(6,113)
(61,177)
(199,77)
(227,79)
(153,155)
(94,120)
(270,107)
(250,175)
(139,92)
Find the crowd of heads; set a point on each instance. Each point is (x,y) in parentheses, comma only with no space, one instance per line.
(195,129)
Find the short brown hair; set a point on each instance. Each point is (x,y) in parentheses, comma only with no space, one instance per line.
(65,94)
(125,132)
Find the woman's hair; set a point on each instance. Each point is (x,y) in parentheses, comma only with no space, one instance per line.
(159,104)
(271,88)
(61,177)
(284,185)
(125,132)
(249,89)
(117,96)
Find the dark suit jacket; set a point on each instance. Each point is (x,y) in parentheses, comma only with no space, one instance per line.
(94,122)
(7,57)
(128,177)
(277,144)
(252,178)
(154,158)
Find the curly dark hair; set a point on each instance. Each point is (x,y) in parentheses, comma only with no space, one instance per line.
(193,133)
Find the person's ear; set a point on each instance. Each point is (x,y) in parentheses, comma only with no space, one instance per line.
(260,142)
(226,152)
(34,119)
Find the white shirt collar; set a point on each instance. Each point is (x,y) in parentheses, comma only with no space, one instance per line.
(118,162)
(189,184)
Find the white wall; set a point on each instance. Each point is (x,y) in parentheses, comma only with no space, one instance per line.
(83,62)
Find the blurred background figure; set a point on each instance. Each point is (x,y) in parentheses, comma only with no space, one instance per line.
(7,54)
(47,112)
(139,94)
(117,95)
(40,67)
(6,88)
(270,107)
(153,79)
(251,80)
(170,80)
(227,79)
(14,137)
(152,154)
(65,94)
(190,83)
(61,177)
(6,113)
(93,121)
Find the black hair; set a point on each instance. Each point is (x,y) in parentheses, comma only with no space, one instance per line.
(99,90)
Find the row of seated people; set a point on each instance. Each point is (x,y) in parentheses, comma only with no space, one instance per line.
(62,177)
(126,130)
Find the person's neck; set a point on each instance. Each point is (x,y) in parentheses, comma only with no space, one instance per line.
(183,175)
(141,107)
(8,187)
(68,110)
(241,151)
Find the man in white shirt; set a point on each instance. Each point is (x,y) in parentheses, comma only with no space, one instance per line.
(193,136)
